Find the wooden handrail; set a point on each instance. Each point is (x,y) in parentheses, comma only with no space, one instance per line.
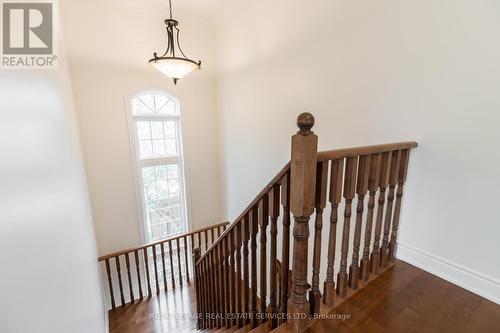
(336,154)
(119,253)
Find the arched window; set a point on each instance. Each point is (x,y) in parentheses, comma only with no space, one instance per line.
(156,131)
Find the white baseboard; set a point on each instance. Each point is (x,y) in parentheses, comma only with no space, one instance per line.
(106,321)
(477,283)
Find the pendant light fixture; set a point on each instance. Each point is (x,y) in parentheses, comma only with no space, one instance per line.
(173,63)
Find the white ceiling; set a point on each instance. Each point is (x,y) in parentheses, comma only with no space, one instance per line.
(205,8)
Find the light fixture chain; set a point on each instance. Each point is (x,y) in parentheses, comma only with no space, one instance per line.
(170,7)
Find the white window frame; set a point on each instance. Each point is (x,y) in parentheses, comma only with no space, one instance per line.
(138,163)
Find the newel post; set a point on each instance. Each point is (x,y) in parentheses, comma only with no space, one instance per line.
(302,192)
(196,257)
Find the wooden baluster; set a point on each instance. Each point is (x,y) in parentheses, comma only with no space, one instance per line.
(278,281)
(212,232)
(213,290)
(120,284)
(192,244)
(335,196)
(320,203)
(383,181)
(186,259)
(393,179)
(246,271)
(216,291)
(110,285)
(403,170)
(199,283)
(156,270)
(274,212)
(349,190)
(285,252)
(163,265)
(218,231)
(131,290)
(215,274)
(372,188)
(254,213)
(199,241)
(179,266)
(196,276)
(208,298)
(146,264)
(213,285)
(207,292)
(302,190)
(204,292)
(208,283)
(198,271)
(222,282)
(361,189)
(172,274)
(232,237)
(138,273)
(227,263)
(263,223)
(238,274)
(206,240)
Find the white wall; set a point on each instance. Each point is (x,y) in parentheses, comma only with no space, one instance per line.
(375,72)
(49,280)
(109,45)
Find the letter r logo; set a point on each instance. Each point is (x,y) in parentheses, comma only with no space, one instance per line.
(27,28)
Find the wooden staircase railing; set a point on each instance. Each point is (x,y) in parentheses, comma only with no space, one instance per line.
(219,290)
(232,276)
(142,279)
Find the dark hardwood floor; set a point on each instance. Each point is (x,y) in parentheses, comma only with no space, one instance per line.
(407,299)
(403,299)
(157,314)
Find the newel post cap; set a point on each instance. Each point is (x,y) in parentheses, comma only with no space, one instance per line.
(305,122)
(196,253)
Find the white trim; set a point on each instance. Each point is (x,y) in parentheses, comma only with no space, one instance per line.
(106,321)
(137,163)
(135,167)
(160,160)
(475,282)
(183,154)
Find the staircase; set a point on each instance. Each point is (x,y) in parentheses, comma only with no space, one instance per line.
(243,280)
(246,277)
